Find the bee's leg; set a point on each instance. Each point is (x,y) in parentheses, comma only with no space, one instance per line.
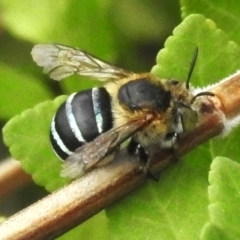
(170,142)
(144,163)
(136,148)
(132,147)
(143,156)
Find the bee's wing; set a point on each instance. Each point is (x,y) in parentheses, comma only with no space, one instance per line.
(60,61)
(93,152)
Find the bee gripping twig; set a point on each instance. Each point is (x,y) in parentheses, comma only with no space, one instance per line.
(73,204)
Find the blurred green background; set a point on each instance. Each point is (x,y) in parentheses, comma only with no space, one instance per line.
(128,33)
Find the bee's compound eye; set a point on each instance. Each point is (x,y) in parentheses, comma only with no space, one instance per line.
(173,82)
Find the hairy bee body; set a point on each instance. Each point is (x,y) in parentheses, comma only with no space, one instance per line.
(91,125)
(89,113)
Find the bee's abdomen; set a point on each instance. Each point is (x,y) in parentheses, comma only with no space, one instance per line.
(84,116)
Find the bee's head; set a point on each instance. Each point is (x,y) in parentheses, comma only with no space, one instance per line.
(184,99)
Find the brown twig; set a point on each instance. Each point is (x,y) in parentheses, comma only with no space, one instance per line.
(12,177)
(83,198)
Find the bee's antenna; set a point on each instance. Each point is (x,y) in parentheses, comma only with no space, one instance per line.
(195,55)
(202,94)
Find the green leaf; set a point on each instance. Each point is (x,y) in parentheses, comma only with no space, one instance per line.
(212,232)
(229,145)
(224,13)
(96,228)
(224,194)
(218,56)
(224,200)
(176,206)
(19,91)
(27,136)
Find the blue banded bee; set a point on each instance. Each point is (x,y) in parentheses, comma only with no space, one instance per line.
(90,126)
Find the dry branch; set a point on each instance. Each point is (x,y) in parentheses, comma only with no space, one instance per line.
(12,177)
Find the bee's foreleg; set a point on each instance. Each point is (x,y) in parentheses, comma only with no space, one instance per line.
(170,141)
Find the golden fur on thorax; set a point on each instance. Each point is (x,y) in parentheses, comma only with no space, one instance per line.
(160,125)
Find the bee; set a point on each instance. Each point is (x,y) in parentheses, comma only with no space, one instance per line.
(89,127)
